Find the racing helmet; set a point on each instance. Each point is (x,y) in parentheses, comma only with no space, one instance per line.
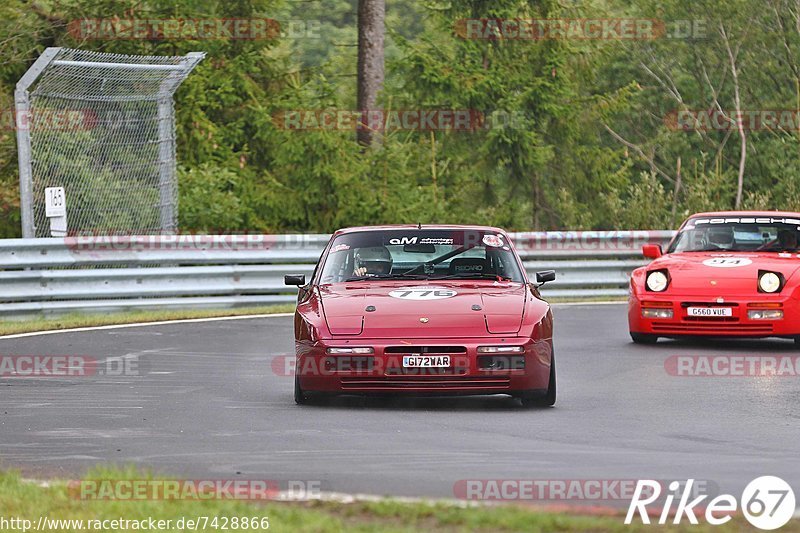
(720,236)
(376,260)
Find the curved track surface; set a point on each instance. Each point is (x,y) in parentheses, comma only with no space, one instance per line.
(208,404)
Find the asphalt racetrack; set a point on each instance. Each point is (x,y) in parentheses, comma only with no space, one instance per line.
(208,403)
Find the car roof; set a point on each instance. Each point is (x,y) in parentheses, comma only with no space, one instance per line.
(746,214)
(418,227)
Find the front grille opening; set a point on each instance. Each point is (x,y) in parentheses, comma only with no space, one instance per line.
(425,371)
(412,383)
(709,304)
(718,327)
(407,350)
(711,318)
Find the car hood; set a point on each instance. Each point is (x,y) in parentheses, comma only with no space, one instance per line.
(401,309)
(696,270)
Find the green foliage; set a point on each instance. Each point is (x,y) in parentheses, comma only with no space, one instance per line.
(589,145)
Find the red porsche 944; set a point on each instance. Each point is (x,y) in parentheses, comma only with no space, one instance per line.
(725,274)
(421,310)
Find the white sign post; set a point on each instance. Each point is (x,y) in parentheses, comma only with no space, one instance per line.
(56,210)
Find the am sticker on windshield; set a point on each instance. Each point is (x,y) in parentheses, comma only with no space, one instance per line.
(495,241)
(727,262)
(423,293)
(340,248)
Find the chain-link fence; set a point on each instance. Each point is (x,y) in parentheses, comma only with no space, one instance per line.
(101,126)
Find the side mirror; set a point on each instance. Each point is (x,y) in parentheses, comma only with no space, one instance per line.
(297,280)
(652,251)
(544,276)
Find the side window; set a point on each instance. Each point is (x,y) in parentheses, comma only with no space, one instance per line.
(336,269)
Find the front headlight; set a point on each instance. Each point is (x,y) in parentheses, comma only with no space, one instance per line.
(657,281)
(359,350)
(500,349)
(769,282)
(765,314)
(654,312)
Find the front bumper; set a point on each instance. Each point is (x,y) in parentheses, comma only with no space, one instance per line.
(739,324)
(383,372)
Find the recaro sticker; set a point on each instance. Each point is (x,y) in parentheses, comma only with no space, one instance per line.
(727,262)
(423,293)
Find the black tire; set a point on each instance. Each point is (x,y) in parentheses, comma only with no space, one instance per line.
(300,397)
(644,338)
(549,398)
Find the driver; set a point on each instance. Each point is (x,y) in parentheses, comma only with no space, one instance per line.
(374,261)
(721,237)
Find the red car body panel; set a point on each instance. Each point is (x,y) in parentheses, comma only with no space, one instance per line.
(694,283)
(334,315)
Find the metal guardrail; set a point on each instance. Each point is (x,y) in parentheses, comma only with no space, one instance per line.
(106,274)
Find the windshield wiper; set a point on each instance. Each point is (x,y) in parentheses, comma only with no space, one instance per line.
(474,275)
(387,276)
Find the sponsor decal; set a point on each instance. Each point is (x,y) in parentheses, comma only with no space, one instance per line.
(423,293)
(495,241)
(340,248)
(423,240)
(744,220)
(727,262)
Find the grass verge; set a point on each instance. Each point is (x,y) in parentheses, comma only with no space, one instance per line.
(79,320)
(29,501)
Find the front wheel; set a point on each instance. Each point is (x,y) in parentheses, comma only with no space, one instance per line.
(549,398)
(643,338)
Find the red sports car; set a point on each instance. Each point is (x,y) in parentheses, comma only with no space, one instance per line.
(725,274)
(423,310)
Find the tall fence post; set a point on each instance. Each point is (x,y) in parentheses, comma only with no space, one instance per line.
(22,124)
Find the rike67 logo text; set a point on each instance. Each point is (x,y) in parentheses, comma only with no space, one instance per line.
(767,502)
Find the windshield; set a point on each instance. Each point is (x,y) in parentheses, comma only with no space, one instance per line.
(420,254)
(735,234)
